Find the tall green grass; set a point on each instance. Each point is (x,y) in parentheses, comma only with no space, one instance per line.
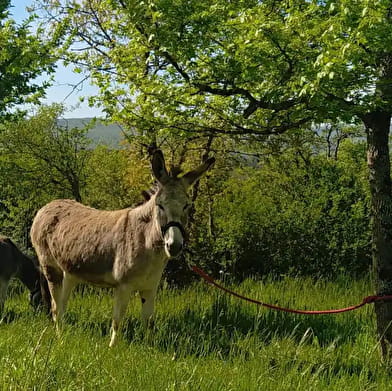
(202,340)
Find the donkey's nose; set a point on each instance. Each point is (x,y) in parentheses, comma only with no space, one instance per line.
(174,239)
(174,248)
(35,299)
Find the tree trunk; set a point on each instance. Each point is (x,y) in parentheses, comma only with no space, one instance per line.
(75,186)
(377,127)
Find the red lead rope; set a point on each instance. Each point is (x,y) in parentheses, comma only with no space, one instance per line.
(366,300)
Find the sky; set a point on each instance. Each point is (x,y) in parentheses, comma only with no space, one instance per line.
(64,80)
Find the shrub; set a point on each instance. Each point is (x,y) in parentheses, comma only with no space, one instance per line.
(290,216)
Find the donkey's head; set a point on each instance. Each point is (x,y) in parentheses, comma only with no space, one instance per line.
(173,202)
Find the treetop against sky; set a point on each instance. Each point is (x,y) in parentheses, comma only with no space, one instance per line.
(62,90)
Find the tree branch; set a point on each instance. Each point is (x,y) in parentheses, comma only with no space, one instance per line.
(241,130)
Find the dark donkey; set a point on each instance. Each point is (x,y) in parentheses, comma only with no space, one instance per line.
(13,263)
(124,249)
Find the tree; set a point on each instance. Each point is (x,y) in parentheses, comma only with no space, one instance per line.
(24,57)
(39,161)
(247,70)
(115,178)
(46,154)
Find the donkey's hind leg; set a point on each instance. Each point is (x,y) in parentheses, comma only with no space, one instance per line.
(54,276)
(60,290)
(68,283)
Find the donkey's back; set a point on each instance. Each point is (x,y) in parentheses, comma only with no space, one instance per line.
(74,238)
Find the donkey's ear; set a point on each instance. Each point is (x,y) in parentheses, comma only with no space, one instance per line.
(192,176)
(158,167)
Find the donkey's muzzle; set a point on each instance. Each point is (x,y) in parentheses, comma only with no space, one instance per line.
(36,299)
(174,249)
(174,242)
(176,224)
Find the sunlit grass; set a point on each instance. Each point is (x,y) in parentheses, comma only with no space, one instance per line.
(203,340)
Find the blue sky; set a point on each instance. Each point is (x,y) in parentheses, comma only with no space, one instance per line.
(64,79)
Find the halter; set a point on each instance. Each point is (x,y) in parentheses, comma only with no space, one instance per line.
(170,224)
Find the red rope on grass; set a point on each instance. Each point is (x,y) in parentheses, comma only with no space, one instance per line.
(366,300)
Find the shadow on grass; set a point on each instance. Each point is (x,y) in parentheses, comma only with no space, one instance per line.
(223,325)
(9,316)
(224,328)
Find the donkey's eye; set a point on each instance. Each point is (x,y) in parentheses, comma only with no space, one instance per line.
(161,207)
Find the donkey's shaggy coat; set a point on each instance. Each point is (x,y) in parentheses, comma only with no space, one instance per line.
(124,249)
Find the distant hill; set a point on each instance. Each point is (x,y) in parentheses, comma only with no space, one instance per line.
(100,133)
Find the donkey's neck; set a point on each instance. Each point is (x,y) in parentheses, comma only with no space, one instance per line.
(27,272)
(146,216)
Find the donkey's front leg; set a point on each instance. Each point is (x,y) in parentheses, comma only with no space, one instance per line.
(148,300)
(121,299)
(3,294)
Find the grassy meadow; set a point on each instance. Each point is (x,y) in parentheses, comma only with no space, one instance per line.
(202,340)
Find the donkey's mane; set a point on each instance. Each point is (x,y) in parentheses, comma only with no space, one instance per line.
(147,194)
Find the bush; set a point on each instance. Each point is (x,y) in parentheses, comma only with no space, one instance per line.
(290,216)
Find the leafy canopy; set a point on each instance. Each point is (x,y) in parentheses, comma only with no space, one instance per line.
(23,57)
(231,67)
